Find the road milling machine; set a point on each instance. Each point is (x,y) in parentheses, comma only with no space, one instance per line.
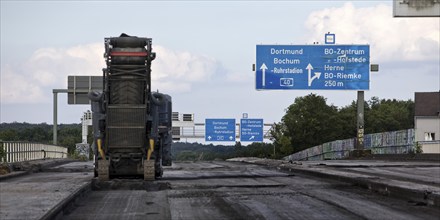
(131,124)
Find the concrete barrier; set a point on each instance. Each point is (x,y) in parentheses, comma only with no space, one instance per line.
(430,147)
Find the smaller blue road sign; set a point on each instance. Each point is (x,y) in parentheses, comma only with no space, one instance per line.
(219,129)
(330,38)
(251,130)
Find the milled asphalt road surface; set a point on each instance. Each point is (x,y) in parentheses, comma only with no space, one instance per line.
(234,190)
(32,196)
(252,189)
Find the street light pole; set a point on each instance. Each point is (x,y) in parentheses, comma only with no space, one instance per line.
(55,113)
(360,121)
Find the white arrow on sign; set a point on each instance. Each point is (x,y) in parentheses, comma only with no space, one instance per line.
(317,74)
(209,137)
(252,138)
(263,69)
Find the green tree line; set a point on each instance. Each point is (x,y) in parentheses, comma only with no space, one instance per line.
(196,151)
(68,134)
(308,122)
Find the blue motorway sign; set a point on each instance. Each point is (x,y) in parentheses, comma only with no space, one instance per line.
(219,129)
(330,67)
(251,130)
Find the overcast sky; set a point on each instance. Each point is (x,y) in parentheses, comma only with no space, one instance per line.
(205,51)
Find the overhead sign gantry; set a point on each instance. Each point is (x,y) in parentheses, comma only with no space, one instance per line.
(323,67)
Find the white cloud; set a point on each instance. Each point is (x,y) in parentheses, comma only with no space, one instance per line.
(407,49)
(237,77)
(33,80)
(18,88)
(175,71)
(391,39)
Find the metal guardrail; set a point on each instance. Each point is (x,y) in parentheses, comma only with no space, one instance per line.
(394,142)
(25,151)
